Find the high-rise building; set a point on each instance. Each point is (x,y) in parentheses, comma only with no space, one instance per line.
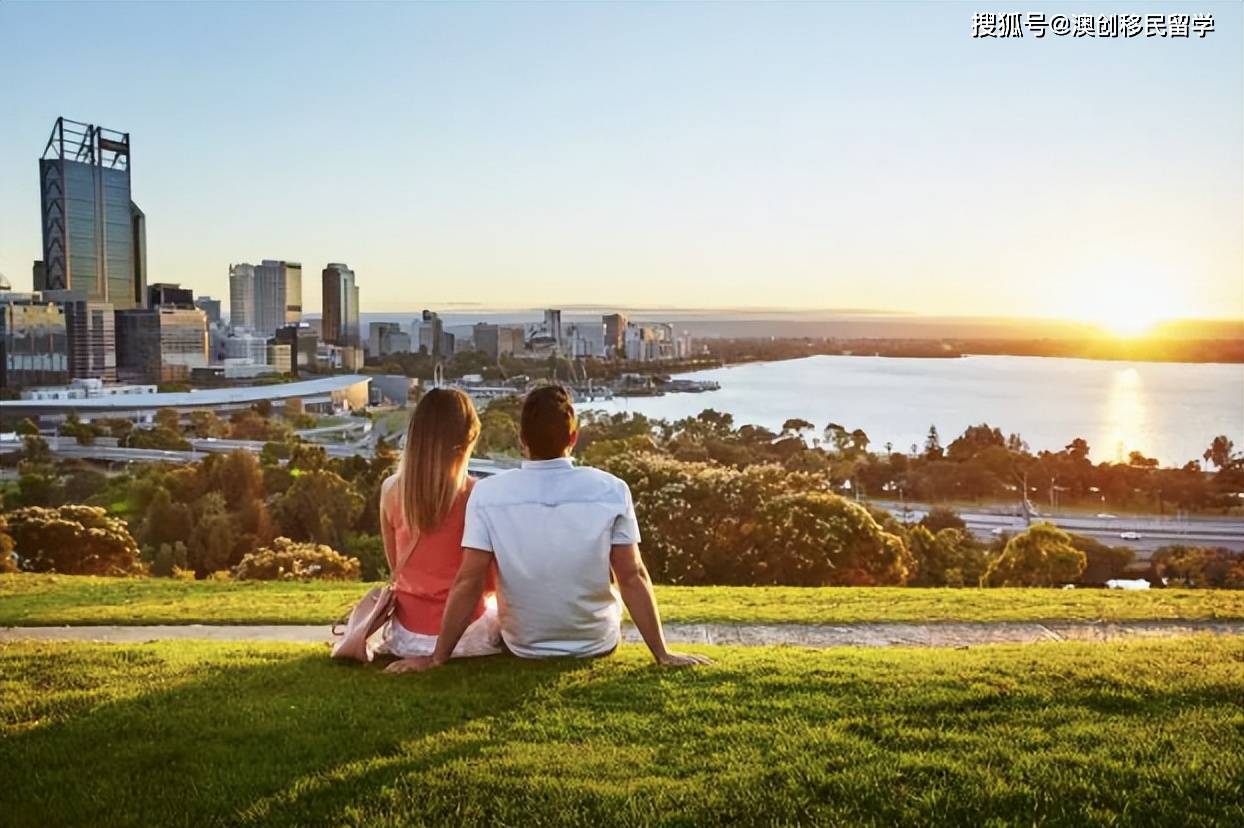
(303,344)
(277,295)
(39,276)
(387,338)
(91,328)
(553,326)
(497,340)
(431,335)
(34,341)
(615,334)
(211,307)
(94,236)
(242,297)
(161,344)
(246,346)
(341,306)
(169,295)
(584,339)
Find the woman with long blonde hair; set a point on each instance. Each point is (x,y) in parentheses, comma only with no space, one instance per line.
(422,515)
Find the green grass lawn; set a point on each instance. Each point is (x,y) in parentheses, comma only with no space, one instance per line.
(197,733)
(59,599)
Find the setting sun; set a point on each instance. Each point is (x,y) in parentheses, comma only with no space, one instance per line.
(1129,300)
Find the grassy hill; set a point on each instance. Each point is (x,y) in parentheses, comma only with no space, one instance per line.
(177,733)
(78,600)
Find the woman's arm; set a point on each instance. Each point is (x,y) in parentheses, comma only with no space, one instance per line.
(387,529)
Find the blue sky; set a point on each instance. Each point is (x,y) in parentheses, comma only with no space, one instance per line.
(829,155)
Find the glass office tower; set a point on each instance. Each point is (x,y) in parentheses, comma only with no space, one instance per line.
(277,296)
(341,306)
(94,236)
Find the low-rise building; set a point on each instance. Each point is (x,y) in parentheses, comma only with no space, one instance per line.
(34,340)
(85,389)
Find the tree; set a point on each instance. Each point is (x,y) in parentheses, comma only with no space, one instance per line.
(1041,555)
(288,560)
(1191,566)
(1102,562)
(320,507)
(207,424)
(27,428)
(939,518)
(821,539)
(948,558)
(1221,452)
(974,440)
(72,540)
(159,438)
(168,418)
(7,564)
(796,427)
(212,543)
(498,432)
(166,521)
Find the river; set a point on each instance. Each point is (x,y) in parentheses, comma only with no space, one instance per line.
(1170,411)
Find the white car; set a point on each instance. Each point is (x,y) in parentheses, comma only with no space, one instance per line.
(997,531)
(1106,516)
(1130,535)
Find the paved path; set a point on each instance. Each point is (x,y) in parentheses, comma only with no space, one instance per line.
(950,634)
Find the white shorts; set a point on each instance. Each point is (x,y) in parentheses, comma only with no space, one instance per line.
(482,638)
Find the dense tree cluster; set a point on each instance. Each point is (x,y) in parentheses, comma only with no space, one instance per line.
(717,504)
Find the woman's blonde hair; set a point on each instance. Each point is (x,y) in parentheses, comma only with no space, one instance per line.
(442,431)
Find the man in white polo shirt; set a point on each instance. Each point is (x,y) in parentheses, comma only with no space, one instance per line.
(555,531)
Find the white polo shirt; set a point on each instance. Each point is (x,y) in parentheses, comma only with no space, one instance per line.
(550,526)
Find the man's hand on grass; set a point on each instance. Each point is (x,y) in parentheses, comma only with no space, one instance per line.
(412,665)
(682,660)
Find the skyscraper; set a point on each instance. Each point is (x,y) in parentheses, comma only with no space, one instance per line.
(277,295)
(242,297)
(94,236)
(209,306)
(553,326)
(615,334)
(341,306)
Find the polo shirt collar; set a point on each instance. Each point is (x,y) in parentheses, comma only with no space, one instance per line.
(555,463)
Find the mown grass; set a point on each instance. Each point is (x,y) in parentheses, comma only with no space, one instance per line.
(197,733)
(58,599)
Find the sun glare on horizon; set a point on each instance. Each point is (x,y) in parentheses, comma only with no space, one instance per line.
(1129,302)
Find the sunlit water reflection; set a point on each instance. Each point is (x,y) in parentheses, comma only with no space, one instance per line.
(1166,410)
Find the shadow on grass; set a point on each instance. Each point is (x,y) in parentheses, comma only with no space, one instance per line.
(224,743)
(279,735)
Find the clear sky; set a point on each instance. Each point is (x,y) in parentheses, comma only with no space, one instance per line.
(802,155)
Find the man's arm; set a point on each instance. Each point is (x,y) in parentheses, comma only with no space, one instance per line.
(636,589)
(464,595)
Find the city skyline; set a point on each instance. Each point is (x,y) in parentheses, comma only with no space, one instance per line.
(632,157)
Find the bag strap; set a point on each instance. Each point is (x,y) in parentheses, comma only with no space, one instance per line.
(467,486)
(403,559)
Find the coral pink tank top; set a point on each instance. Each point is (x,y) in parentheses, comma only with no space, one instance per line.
(424,582)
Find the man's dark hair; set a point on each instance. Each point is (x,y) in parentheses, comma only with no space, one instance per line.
(548,422)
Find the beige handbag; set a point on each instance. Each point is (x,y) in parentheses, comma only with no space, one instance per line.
(368,617)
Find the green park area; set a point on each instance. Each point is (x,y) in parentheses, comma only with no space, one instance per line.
(40,600)
(196,733)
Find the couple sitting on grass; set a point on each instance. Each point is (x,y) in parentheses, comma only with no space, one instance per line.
(543,538)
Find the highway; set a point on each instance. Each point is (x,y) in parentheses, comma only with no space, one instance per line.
(1155,531)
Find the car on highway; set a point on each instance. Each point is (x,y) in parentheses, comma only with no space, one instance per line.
(1130,535)
(1106,516)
